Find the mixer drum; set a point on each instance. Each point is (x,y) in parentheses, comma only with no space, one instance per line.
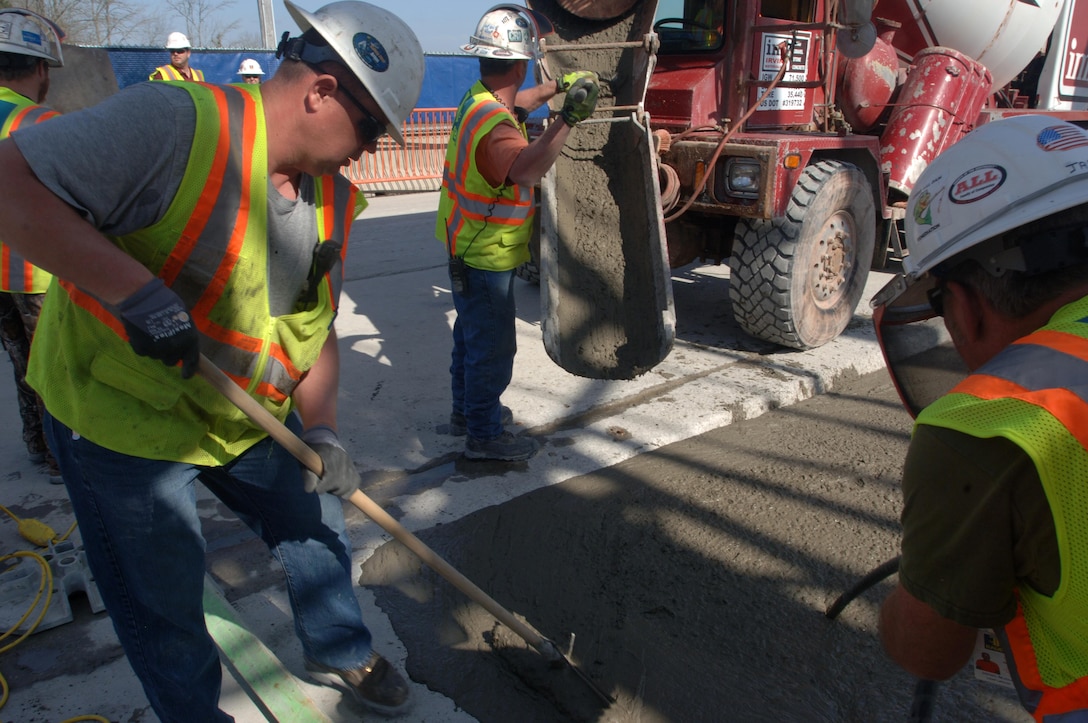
(939,103)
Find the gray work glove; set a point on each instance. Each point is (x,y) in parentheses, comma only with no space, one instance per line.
(565,81)
(159,326)
(580,102)
(340,478)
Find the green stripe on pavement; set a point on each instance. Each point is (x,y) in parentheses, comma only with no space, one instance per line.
(272,687)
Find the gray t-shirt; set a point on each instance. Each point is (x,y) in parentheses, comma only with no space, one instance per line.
(120,162)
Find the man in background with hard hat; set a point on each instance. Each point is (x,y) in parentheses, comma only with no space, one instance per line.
(167,251)
(251,72)
(29,47)
(485,216)
(180,51)
(995,485)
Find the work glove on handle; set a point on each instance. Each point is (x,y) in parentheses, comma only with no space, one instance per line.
(340,478)
(565,81)
(580,102)
(159,326)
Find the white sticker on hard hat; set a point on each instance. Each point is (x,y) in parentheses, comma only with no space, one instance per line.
(371,52)
(976,184)
(5,30)
(1061,138)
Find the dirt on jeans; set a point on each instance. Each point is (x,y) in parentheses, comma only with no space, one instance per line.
(695,578)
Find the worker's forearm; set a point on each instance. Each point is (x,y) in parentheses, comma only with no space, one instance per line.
(533,162)
(532,98)
(315,396)
(51,235)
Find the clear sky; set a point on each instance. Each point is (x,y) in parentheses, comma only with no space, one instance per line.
(440,25)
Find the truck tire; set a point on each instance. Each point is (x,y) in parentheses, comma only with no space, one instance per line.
(796,280)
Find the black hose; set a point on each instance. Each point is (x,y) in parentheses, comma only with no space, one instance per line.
(921,707)
(925,691)
(877,574)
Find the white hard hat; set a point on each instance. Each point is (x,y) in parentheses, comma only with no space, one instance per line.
(999,177)
(377,46)
(23,32)
(177,41)
(509,32)
(250,66)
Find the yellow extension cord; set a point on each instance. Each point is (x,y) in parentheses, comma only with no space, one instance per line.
(40,534)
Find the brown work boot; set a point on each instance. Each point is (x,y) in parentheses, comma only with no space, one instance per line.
(377,685)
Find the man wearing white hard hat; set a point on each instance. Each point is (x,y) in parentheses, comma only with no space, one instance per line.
(995,484)
(28,50)
(251,72)
(180,51)
(485,216)
(197,224)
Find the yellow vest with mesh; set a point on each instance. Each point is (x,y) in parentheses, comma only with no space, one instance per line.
(169,72)
(486,225)
(18,275)
(1035,394)
(213,252)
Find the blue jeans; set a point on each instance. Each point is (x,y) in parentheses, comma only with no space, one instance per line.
(484,344)
(141,533)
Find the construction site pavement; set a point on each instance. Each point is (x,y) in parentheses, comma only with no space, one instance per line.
(394,335)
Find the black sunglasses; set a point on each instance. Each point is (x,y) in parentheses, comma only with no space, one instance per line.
(370,127)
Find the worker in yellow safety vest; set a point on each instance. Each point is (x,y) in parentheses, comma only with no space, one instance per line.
(186,219)
(181,50)
(27,52)
(995,545)
(485,211)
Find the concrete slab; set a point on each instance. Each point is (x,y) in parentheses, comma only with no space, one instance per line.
(394,332)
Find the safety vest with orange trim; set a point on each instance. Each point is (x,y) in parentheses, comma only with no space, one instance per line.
(211,248)
(17,275)
(484,224)
(169,72)
(1035,394)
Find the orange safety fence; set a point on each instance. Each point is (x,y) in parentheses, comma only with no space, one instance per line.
(417,166)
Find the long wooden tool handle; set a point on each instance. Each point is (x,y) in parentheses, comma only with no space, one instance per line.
(312,460)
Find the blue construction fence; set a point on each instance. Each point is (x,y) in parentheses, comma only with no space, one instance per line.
(446,76)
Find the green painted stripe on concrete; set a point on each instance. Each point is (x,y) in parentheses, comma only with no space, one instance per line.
(275,691)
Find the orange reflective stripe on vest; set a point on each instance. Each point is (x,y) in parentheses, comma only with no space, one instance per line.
(1068,704)
(18,275)
(169,72)
(469,207)
(203,261)
(1047,370)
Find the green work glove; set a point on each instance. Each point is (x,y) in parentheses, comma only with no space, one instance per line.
(580,102)
(565,81)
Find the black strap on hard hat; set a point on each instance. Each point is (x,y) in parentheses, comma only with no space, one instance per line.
(309,47)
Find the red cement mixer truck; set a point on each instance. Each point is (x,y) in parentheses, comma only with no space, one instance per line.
(787,134)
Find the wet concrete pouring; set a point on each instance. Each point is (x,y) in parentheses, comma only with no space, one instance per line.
(695,579)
